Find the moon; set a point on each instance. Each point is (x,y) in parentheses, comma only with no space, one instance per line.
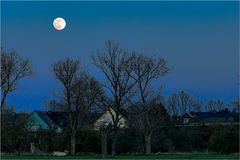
(59,23)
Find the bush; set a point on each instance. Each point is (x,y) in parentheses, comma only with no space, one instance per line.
(15,138)
(61,141)
(224,139)
(129,141)
(14,135)
(88,141)
(161,142)
(43,140)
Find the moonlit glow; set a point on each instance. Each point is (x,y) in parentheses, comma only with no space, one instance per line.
(59,23)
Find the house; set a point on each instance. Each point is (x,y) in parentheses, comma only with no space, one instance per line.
(195,117)
(46,120)
(199,118)
(106,119)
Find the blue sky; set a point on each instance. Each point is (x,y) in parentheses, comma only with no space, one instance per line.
(199,40)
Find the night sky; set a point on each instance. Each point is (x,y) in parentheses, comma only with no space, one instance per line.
(199,40)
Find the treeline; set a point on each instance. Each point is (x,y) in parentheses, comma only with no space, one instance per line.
(127,89)
(15,138)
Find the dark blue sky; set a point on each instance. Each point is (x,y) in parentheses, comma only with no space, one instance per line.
(198,39)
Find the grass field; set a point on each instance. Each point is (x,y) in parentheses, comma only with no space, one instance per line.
(140,157)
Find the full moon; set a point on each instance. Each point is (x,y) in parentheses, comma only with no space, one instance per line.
(59,23)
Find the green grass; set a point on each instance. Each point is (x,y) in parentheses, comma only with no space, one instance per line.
(137,157)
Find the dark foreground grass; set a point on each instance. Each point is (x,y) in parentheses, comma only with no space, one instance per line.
(137,157)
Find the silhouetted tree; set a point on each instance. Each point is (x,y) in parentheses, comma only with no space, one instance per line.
(144,70)
(198,106)
(172,104)
(186,102)
(216,105)
(180,103)
(234,105)
(80,94)
(114,63)
(67,71)
(13,69)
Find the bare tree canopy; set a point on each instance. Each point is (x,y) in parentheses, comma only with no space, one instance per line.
(144,70)
(180,103)
(234,105)
(13,69)
(172,104)
(216,105)
(114,63)
(186,102)
(66,71)
(198,106)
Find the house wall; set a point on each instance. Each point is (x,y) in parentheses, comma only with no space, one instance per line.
(106,119)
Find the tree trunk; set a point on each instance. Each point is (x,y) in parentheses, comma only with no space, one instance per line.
(147,138)
(32,147)
(104,143)
(114,140)
(73,144)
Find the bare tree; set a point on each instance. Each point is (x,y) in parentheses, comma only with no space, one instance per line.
(216,105)
(198,106)
(13,69)
(79,96)
(234,105)
(144,70)
(114,63)
(186,102)
(67,71)
(172,104)
(180,103)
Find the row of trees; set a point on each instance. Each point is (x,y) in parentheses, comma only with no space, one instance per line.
(215,138)
(181,102)
(127,88)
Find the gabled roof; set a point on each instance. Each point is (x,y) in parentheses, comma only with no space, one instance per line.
(221,114)
(204,114)
(187,115)
(60,119)
(44,116)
